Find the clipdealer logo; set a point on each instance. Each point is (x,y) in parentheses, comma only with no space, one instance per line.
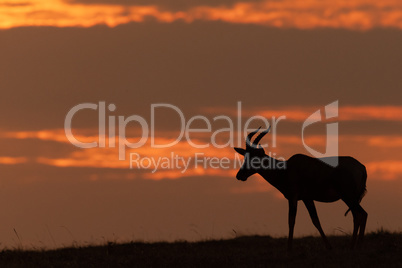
(108,137)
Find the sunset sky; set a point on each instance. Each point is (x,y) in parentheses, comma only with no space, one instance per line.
(273,58)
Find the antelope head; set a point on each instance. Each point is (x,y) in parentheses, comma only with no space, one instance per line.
(253,155)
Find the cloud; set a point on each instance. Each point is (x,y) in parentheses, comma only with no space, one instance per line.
(5,160)
(180,161)
(385,170)
(207,64)
(300,114)
(169,5)
(386,141)
(14,4)
(354,15)
(197,138)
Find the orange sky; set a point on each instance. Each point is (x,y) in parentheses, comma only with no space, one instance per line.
(286,146)
(355,15)
(275,57)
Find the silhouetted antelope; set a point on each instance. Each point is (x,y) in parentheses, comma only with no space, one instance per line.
(306,178)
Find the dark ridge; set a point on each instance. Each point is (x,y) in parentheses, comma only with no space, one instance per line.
(380,249)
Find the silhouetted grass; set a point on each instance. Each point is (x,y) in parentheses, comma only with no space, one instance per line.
(380,249)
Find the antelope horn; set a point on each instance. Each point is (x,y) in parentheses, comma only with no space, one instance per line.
(259,137)
(249,136)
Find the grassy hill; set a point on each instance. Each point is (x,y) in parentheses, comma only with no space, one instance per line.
(380,249)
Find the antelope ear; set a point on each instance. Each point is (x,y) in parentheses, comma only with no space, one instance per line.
(240,151)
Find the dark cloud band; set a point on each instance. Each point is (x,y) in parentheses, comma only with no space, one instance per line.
(171,5)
